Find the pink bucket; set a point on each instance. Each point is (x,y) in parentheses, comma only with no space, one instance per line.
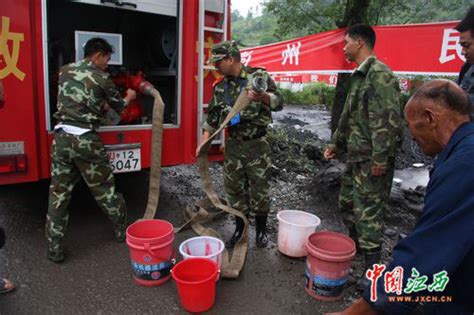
(151,251)
(329,260)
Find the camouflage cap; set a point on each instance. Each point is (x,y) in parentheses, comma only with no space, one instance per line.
(223,50)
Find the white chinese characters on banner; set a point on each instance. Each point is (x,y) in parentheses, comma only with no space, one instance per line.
(291,52)
(450,46)
(246,57)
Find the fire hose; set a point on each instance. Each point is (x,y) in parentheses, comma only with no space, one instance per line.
(230,266)
(147,88)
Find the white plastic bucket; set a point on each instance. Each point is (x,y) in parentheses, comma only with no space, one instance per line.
(294,228)
(203,247)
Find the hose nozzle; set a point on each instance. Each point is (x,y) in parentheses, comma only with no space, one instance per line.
(259,84)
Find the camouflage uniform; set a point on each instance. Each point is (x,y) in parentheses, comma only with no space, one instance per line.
(247,158)
(370,132)
(466,81)
(83,88)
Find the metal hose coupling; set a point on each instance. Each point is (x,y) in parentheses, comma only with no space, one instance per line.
(147,88)
(259,84)
(139,84)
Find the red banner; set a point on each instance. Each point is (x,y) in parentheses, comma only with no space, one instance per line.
(407,49)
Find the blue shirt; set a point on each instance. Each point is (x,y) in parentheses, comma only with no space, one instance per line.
(443,237)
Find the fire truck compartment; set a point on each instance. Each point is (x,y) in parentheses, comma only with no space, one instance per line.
(149,45)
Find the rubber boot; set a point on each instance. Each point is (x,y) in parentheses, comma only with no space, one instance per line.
(120,225)
(239,228)
(2,238)
(56,254)
(354,237)
(261,226)
(120,231)
(370,259)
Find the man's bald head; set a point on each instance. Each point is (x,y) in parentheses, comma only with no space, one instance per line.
(444,93)
(435,112)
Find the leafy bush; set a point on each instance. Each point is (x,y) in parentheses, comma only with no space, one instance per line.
(416,82)
(312,94)
(320,93)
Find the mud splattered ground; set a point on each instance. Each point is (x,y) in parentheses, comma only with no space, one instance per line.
(96,276)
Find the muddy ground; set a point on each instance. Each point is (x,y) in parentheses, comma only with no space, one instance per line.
(96,276)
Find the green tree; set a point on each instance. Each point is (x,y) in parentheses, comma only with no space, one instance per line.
(235,16)
(249,14)
(257,31)
(304,17)
(314,16)
(419,11)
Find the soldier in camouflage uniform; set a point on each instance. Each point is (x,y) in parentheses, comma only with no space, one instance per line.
(85,91)
(370,132)
(247,158)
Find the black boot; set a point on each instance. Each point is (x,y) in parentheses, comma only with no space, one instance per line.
(239,228)
(120,231)
(56,255)
(371,258)
(261,238)
(120,224)
(353,235)
(2,237)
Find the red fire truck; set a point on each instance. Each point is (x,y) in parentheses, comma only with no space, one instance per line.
(167,41)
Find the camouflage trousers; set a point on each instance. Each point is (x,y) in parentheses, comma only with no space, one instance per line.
(362,199)
(72,157)
(246,175)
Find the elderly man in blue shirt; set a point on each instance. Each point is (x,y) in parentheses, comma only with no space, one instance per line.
(442,242)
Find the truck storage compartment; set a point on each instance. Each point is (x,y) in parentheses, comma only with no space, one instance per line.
(149,44)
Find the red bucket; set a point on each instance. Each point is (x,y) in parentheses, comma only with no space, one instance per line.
(151,251)
(196,282)
(329,260)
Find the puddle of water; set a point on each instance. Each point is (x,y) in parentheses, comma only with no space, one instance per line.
(412,177)
(314,120)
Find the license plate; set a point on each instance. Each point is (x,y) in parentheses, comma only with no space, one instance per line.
(126,160)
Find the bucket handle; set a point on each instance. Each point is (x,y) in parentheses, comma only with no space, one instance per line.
(171,259)
(218,276)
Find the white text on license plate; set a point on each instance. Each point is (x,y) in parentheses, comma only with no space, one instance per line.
(123,161)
